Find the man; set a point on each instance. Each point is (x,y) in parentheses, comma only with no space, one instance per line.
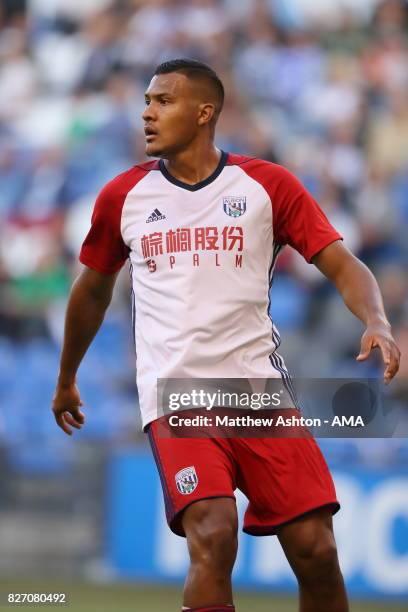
(202,229)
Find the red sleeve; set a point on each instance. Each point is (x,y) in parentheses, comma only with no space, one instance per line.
(297,218)
(103,249)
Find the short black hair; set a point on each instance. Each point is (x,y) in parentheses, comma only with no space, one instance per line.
(194,69)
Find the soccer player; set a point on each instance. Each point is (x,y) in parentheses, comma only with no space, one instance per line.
(202,229)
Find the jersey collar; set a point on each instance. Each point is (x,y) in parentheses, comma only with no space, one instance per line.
(201,184)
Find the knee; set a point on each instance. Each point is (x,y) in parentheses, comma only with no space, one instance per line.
(213,543)
(318,564)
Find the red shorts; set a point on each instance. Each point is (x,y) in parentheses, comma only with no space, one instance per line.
(283,478)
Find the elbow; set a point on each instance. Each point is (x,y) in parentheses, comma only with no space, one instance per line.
(91,289)
(352,274)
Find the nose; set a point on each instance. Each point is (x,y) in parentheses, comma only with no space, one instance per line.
(148,113)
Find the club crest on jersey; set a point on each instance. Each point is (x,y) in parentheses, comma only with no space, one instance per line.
(187,480)
(151,265)
(234,206)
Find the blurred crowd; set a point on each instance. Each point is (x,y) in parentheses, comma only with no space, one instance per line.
(320,87)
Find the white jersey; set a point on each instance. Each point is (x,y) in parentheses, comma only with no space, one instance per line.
(202,258)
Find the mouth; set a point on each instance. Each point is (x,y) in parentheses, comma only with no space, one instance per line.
(150,133)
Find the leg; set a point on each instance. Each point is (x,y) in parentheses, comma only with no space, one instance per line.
(310,547)
(211,527)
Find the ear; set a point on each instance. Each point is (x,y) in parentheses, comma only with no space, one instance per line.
(206,112)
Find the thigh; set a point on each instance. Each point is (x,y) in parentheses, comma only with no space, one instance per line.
(208,518)
(283,478)
(191,469)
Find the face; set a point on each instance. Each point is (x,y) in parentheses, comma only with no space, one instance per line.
(173,115)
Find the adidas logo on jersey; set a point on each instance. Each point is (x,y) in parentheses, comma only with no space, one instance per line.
(155,216)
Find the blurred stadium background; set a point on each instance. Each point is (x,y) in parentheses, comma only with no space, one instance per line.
(321,87)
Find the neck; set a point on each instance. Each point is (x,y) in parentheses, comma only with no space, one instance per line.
(195,164)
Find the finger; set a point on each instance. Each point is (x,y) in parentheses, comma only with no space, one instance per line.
(77,414)
(365,350)
(59,417)
(385,352)
(393,365)
(71,420)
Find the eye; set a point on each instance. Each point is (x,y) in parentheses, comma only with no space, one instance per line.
(147,102)
(164,102)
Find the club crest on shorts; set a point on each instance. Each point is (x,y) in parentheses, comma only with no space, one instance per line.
(187,480)
(234,206)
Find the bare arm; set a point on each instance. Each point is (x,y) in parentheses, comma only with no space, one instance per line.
(89,299)
(361,294)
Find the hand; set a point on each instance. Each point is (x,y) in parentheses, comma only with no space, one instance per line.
(379,335)
(65,407)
